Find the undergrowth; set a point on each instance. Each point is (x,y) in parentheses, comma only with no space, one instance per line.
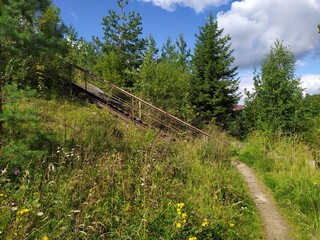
(287,166)
(90,176)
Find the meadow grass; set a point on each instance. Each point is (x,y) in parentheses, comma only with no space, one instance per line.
(285,163)
(98,178)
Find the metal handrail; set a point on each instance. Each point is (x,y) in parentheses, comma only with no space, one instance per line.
(133,97)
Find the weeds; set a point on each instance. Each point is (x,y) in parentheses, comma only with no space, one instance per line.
(101,179)
(286,166)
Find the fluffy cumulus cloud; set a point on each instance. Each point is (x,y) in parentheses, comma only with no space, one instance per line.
(254,25)
(311,83)
(197,5)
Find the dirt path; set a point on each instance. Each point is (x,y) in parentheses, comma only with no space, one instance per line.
(274,224)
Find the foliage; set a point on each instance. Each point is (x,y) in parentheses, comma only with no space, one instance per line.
(165,82)
(30,34)
(286,165)
(108,180)
(276,103)
(122,38)
(83,53)
(23,139)
(214,85)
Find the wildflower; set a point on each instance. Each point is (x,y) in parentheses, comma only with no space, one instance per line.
(184,215)
(23,211)
(179,211)
(192,238)
(231,224)
(178,225)
(1,195)
(180,205)
(205,222)
(16,172)
(39,214)
(45,238)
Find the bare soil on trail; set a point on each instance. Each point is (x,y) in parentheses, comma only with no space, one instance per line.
(275,226)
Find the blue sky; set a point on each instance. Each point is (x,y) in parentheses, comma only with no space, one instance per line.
(253,25)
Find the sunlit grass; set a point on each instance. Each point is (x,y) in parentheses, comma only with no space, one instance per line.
(287,168)
(103,179)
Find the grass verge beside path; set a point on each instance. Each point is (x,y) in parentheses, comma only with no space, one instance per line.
(284,165)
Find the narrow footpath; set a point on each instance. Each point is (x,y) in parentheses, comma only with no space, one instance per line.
(275,226)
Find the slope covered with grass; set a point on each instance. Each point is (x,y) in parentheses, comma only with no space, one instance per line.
(73,171)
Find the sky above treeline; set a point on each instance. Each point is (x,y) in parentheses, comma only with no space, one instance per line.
(254,26)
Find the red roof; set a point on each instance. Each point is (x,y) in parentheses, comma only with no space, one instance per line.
(238,107)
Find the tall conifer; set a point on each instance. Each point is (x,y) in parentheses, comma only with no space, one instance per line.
(214,85)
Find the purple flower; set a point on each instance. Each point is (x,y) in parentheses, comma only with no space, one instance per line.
(16,172)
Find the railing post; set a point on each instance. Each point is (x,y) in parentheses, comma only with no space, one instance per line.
(70,73)
(85,81)
(140,115)
(132,109)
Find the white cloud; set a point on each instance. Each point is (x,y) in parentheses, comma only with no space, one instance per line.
(254,25)
(197,5)
(311,83)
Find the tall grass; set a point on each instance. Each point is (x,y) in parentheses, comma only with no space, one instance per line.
(103,179)
(287,167)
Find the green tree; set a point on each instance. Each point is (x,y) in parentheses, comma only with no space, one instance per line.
(214,85)
(184,54)
(122,37)
(27,29)
(276,101)
(86,54)
(169,52)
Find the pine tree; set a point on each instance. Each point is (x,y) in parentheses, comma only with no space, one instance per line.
(277,98)
(169,52)
(122,37)
(214,85)
(184,53)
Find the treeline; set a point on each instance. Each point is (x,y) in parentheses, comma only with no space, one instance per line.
(200,86)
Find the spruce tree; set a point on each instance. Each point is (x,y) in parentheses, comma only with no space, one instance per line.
(214,85)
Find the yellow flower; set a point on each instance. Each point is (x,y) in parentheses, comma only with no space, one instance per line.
(192,238)
(180,205)
(231,224)
(45,238)
(1,195)
(179,211)
(178,225)
(205,222)
(23,211)
(184,215)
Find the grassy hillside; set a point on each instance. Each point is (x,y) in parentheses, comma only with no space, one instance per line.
(73,171)
(287,167)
